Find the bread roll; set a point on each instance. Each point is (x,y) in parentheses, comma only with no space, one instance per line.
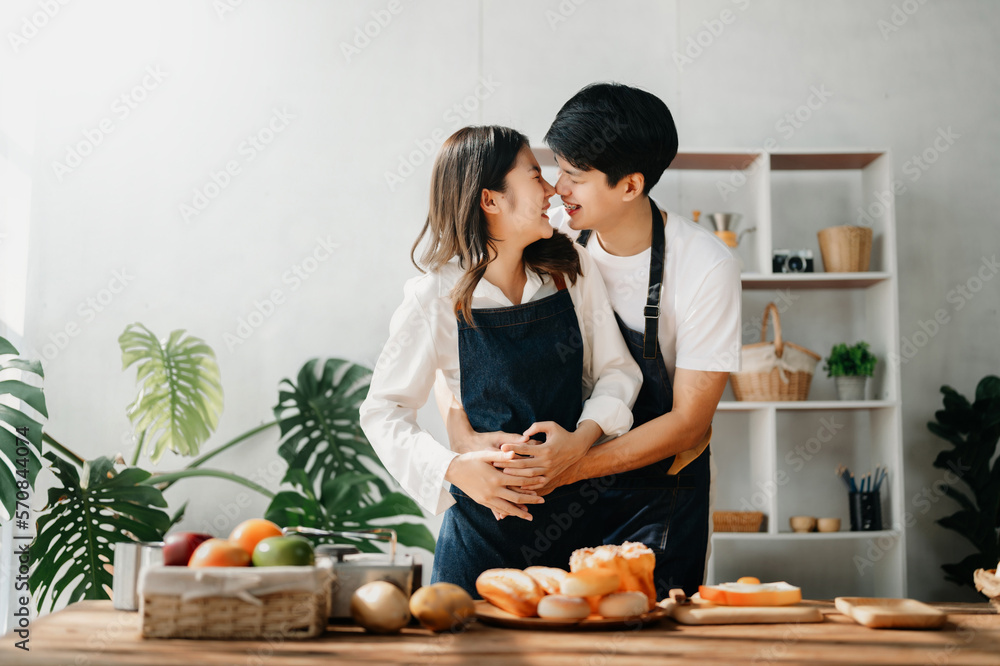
(510,589)
(547,577)
(563,607)
(622,604)
(590,583)
(634,563)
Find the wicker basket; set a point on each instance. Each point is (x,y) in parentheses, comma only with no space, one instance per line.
(737,521)
(776,370)
(235,602)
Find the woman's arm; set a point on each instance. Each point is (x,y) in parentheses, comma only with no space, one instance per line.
(399,387)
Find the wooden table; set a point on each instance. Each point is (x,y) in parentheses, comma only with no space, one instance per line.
(93,633)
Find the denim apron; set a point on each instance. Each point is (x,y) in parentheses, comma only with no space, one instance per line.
(517,368)
(668,513)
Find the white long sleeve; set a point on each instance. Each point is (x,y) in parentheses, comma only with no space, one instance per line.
(400,385)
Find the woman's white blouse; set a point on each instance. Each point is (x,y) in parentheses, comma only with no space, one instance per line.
(423,338)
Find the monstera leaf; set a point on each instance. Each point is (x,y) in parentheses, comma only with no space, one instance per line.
(20,435)
(320,429)
(180,391)
(83,520)
(337,509)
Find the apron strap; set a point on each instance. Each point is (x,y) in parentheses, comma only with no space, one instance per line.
(652,310)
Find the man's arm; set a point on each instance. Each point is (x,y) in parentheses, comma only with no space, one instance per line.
(696,397)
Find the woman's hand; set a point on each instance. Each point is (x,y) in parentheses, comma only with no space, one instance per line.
(464,439)
(475,475)
(549,460)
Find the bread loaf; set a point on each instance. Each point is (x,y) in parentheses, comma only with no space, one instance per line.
(510,589)
(547,577)
(633,562)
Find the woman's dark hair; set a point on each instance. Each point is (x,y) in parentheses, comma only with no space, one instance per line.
(471,160)
(616,129)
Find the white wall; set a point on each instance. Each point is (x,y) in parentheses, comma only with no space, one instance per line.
(355,118)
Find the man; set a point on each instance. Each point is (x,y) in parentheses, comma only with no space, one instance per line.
(676,292)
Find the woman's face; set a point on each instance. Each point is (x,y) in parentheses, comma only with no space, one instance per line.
(523,219)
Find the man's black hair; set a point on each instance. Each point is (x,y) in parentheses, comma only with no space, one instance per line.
(616,129)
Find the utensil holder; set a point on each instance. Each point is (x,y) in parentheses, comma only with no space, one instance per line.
(866,511)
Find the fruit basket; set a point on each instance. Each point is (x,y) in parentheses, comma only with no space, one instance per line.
(235,602)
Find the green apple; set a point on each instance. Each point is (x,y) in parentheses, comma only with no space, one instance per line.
(283,551)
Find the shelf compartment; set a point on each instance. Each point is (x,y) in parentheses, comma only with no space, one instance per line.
(813,280)
(866,565)
(811,536)
(825,161)
(805,405)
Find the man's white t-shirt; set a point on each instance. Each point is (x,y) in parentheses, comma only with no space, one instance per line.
(700,297)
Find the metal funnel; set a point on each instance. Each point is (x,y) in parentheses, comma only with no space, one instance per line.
(724,221)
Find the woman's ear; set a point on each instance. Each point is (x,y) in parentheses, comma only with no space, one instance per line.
(488,202)
(633,186)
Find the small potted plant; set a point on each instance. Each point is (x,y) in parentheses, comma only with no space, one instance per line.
(851,366)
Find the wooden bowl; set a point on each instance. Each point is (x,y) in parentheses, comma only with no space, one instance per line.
(802,523)
(828,524)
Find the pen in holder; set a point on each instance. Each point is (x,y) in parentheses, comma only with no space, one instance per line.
(866,511)
(864,498)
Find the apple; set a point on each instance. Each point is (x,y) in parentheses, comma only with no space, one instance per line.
(178,547)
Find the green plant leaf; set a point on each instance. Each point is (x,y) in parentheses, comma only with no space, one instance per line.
(318,418)
(83,520)
(292,508)
(32,367)
(988,388)
(180,390)
(29,395)
(18,431)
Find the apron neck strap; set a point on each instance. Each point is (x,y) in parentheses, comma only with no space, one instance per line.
(651,312)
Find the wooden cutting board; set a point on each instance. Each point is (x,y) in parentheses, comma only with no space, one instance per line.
(890,613)
(703,612)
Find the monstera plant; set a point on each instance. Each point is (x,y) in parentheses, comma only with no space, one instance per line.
(973,430)
(333,472)
(331,463)
(20,435)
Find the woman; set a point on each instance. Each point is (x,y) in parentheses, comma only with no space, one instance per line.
(517,319)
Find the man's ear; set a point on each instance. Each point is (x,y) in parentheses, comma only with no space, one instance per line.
(488,201)
(632,186)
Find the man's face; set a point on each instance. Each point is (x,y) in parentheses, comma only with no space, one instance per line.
(589,201)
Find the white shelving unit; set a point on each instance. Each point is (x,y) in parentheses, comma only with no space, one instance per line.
(780,457)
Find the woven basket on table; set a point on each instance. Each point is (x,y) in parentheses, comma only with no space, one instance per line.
(737,521)
(776,370)
(239,610)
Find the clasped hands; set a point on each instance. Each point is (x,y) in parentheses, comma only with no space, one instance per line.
(507,472)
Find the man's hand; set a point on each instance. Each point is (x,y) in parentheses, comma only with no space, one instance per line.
(561,450)
(475,475)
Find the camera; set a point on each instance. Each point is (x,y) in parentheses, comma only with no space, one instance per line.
(792,261)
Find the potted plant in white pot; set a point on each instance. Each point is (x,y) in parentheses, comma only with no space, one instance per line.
(850,366)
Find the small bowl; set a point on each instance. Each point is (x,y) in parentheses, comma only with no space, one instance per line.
(802,523)
(828,524)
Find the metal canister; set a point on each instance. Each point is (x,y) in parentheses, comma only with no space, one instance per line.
(131,558)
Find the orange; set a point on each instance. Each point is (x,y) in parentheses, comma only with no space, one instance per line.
(251,532)
(219,553)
